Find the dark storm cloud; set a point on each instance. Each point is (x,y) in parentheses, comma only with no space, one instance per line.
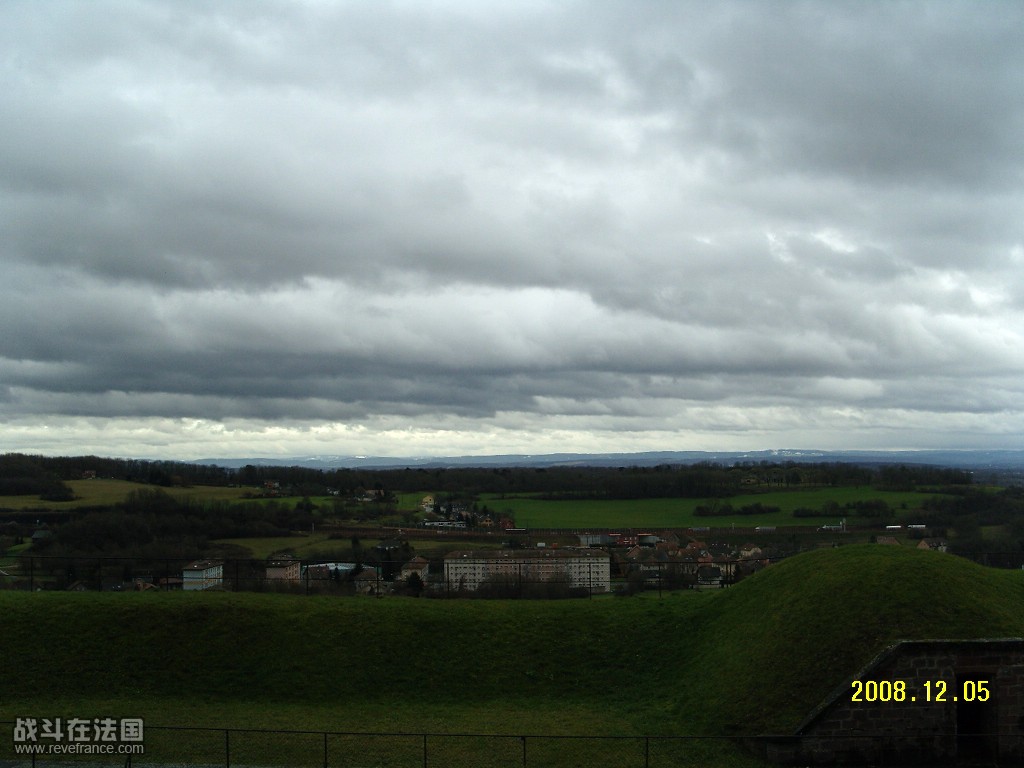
(561,223)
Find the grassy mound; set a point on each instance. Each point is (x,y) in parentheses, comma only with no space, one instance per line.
(777,644)
(755,657)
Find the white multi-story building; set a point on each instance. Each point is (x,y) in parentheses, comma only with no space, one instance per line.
(284,569)
(202,574)
(588,569)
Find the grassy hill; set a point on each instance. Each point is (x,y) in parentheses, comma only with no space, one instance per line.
(751,658)
(781,641)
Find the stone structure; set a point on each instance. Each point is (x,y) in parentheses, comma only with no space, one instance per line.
(932,702)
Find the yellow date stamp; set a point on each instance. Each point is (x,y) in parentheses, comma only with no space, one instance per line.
(911,691)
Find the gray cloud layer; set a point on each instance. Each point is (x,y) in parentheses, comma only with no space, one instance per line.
(460,227)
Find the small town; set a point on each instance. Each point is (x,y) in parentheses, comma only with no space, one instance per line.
(548,384)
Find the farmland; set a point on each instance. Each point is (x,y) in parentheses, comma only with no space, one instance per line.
(248,522)
(102,492)
(533,512)
(188,512)
(530,510)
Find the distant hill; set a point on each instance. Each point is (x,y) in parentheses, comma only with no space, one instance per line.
(964,459)
(755,657)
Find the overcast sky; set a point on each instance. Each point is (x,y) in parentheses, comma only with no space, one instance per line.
(436,228)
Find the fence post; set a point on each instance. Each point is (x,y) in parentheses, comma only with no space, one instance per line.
(523,739)
(227,748)
(424,750)
(32,587)
(647,752)
(325,749)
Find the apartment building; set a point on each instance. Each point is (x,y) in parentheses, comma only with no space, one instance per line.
(588,569)
(203,574)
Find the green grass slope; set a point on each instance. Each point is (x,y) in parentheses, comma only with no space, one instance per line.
(777,644)
(751,658)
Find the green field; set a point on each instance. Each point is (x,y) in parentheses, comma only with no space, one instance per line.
(531,512)
(694,663)
(105,492)
(101,492)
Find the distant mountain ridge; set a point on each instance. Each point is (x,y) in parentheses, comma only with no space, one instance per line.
(1004,459)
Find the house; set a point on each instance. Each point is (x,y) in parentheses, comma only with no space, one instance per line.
(284,569)
(651,564)
(750,552)
(720,551)
(202,574)
(666,565)
(670,538)
(41,535)
(581,568)
(937,545)
(418,565)
(368,582)
(636,553)
(888,540)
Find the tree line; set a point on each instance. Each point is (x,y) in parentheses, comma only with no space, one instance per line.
(20,474)
(151,524)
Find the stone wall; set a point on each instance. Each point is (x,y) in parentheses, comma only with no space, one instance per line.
(929,718)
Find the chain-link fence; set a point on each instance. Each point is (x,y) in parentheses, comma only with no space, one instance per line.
(171,746)
(164,747)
